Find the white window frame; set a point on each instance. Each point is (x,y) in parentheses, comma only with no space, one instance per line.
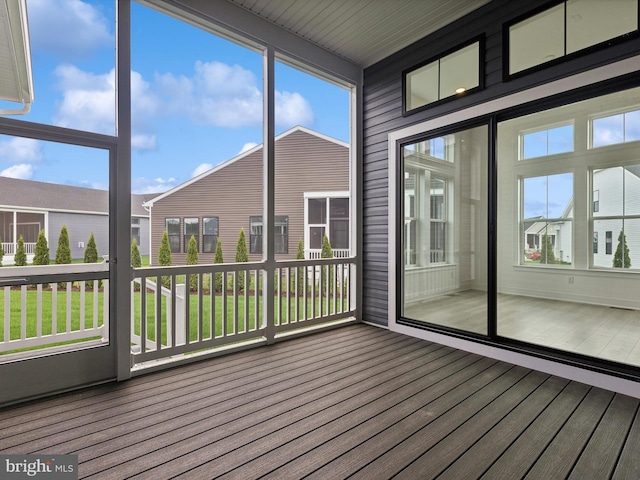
(326,196)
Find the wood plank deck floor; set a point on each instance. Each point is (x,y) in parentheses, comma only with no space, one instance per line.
(356,402)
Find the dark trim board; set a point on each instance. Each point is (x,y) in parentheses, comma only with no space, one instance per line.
(358,401)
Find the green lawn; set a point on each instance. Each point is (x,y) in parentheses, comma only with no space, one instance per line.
(249,321)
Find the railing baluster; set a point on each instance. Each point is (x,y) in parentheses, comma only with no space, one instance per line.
(23,316)
(200,304)
(82,305)
(68,312)
(7,314)
(54,308)
(158,313)
(143,314)
(224,303)
(96,288)
(39,310)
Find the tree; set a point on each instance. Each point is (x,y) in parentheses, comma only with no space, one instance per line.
(547,256)
(136,260)
(1,251)
(327,252)
(20,257)
(241,256)
(621,259)
(41,253)
(63,252)
(91,252)
(192,259)
(301,272)
(218,259)
(164,257)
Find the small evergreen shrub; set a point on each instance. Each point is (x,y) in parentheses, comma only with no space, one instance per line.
(218,259)
(192,259)
(241,256)
(20,257)
(41,253)
(164,257)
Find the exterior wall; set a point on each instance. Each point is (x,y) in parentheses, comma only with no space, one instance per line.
(304,163)
(383,114)
(80,227)
(144,236)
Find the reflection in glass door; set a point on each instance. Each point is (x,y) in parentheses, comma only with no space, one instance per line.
(444,201)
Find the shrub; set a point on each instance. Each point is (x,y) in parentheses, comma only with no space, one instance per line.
(621,259)
(218,259)
(41,254)
(327,252)
(136,259)
(164,257)
(546,254)
(192,259)
(241,256)
(301,272)
(91,252)
(63,252)
(20,257)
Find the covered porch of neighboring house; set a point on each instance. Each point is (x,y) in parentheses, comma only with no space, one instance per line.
(20,223)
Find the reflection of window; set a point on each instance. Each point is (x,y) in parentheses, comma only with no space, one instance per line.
(328,216)
(549,141)
(172,226)
(191,229)
(426,217)
(567,28)
(444,77)
(608,242)
(595,242)
(281,234)
(547,217)
(613,129)
(596,201)
(209,234)
(441,148)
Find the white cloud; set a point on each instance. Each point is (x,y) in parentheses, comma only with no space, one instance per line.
(23,171)
(88,103)
(152,185)
(22,149)
(247,146)
(68,28)
(228,96)
(200,169)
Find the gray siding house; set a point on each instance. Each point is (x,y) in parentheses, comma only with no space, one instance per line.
(26,207)
(312,199)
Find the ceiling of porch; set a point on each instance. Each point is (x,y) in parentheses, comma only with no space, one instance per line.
(361,31)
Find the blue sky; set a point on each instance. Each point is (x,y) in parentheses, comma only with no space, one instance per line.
(197,98)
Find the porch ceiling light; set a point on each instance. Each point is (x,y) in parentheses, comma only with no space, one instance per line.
(16,78)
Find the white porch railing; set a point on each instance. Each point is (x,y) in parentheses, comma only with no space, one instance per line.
(315,253)
(43,306)
(226,304)
(10,248)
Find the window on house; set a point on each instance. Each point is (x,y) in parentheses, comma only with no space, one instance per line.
(172,226)
(608,242)
(547,216)
(281,234)
(444,77)
(614,129)
(618,215)
(135,230)
(547,141)
(328,216)
(567,28)
(191,229)
(209,234)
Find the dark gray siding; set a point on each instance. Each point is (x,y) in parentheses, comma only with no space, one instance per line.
(383,114)
(304,163)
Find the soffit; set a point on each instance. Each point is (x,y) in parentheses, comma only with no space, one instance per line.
(361,31)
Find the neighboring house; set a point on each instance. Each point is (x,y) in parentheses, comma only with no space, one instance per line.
(616,194)
(312,199)
(26,207)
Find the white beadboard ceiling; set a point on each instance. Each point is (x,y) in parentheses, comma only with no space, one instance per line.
(362,31)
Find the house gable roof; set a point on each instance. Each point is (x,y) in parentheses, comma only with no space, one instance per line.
(28,194)
(242,155)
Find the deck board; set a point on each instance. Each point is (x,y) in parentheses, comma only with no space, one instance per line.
(357,401)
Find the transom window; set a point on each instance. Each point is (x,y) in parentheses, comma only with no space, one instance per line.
(613,129)
(445,77)
(546,141)
(567,28)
